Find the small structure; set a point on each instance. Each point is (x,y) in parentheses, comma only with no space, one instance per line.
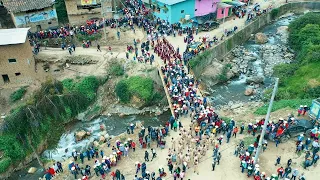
(205,7)
(174,11)
(6,20)
(36,14)
(79,11)
(224,10)
(314,111)
(17,65)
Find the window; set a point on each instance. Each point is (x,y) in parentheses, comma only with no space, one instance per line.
(196,10)
(12,60)
(182,11)
(49,22)
(17,74)
(222,11)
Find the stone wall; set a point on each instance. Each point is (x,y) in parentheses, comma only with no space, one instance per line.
(221,50)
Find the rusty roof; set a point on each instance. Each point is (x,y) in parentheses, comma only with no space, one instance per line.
(16,6)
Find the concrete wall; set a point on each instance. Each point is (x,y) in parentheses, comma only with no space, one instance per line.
(219,51)
(25,64)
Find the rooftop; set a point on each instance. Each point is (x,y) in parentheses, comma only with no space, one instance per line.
(171,2)
(13,36)
(25,5)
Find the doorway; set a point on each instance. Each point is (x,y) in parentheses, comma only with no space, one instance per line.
(39,28)
(5,78)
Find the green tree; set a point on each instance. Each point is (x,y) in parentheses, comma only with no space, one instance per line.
(61,11)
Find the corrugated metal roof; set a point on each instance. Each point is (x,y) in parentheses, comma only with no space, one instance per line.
(224,5)
(13,36)
(26,5)
(171,2)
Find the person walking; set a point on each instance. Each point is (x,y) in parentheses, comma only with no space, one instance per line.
(214,162)
(146,156)
(196,167)
(154,154)
(295,173)
(235,131)
(98,48)
(278,160)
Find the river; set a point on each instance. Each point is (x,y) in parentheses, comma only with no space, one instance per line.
(234,91)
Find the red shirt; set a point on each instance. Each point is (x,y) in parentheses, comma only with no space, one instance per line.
(133,144)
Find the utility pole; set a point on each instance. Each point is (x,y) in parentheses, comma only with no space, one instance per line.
(275,88)
(103,18)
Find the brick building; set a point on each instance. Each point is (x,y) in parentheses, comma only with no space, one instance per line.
(79,11)
(36,14)
(17,65)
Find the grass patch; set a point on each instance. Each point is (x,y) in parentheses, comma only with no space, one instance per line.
(248,140)
(18,94)
(116,69)
(291,103)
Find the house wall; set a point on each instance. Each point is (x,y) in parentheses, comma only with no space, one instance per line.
(205,7)
(221,14)
(24,64)
(188,7)
(45,18)
(80,16)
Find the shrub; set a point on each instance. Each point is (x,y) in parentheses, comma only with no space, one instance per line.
(85,37)
(122,91)
(4,164)
(291,103)
(116,69)
(274,13)
(18,94)
(11,147)
(136,85)
(88,86)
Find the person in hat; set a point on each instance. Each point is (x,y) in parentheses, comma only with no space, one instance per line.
(300,110)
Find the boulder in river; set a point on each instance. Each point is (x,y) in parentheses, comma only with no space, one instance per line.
(261,38)
(102,139)
(255,79)
(249,92)
(81,135)
(32,170)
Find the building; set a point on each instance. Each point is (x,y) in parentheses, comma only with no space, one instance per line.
(205,7)
(79,11)
(36,14)
(224,10)
(6,20)
(174,11)
(17,65)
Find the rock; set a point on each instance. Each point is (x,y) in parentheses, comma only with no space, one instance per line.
(102,139)
(255,79)
(32,170)
(102,133)
(235,106)
(88,133)
(106,136)
(80,135)
(248,92)
(95,143)
(121,115)
(261,38)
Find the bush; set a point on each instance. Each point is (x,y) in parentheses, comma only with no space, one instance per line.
(274,13)
(18,94)
(116,69)
(11,147)
(123,92)
(61,11)
(86,37)
(88,86)
(223,77)
(291,103)
(135,86)
(4,164)
(198,59)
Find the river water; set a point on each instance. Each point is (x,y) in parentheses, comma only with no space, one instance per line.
(234,91)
